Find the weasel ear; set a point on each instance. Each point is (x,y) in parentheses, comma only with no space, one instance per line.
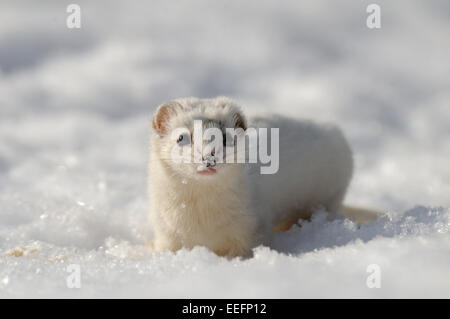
(162,116)
(239,120)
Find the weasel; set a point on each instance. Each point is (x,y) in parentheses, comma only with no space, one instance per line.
(231,207)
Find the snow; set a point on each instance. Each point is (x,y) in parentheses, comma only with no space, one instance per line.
(75,109)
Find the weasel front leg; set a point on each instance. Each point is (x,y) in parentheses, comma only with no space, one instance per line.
(164,238)
(234,249)
(164,242)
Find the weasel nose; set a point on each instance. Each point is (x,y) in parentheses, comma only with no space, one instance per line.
(209,160)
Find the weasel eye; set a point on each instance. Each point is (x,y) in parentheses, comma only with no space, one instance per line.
(183,139)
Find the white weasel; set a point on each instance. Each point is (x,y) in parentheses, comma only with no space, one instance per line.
(232,208)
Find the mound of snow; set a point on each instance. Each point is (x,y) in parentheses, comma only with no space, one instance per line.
(321,259)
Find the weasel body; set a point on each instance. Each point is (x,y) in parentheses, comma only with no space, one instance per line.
(231,207)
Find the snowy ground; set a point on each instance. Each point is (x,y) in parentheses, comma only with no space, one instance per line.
(74,113)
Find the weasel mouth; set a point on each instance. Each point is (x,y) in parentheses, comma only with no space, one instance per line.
(207,171)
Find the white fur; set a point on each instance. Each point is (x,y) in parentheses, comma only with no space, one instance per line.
(236,209)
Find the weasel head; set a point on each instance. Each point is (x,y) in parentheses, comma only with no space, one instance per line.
(199,138)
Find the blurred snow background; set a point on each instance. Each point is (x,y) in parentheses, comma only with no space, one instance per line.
(75,107)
